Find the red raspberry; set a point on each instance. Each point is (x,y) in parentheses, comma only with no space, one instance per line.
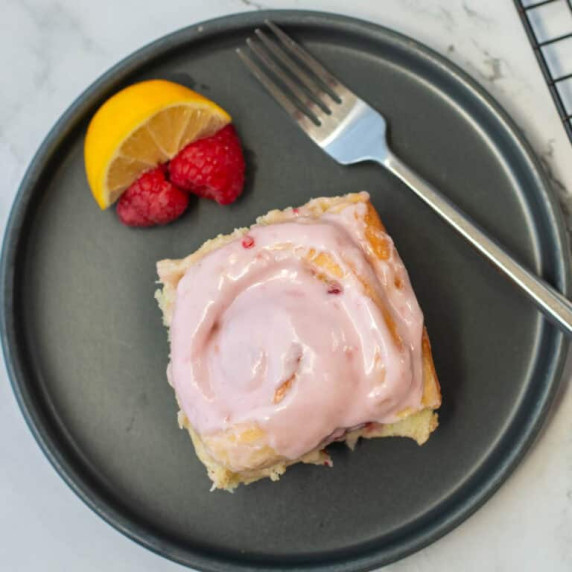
(151,200)
(334,287)
(247,241)
(212,167)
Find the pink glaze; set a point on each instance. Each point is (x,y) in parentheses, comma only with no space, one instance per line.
(252,315)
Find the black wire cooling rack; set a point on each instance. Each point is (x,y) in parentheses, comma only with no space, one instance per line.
(540,45)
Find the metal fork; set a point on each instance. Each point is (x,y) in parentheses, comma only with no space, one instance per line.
(351,131)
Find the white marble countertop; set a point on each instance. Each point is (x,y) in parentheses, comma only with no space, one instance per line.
(50,50)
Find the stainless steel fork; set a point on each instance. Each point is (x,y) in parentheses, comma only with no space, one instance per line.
(351,131)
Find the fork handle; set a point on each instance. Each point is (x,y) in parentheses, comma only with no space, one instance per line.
(553,304)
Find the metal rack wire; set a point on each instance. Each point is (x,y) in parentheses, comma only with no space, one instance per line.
(525,9)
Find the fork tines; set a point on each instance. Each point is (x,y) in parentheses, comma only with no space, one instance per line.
(296,80)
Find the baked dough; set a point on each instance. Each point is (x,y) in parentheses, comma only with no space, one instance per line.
(216,448)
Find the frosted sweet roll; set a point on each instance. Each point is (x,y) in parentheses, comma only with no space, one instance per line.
(299,331)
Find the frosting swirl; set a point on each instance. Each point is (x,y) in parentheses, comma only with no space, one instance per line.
(287,336)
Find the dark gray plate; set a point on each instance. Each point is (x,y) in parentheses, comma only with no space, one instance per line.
(86,350)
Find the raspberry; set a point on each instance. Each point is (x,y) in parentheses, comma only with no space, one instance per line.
(212,167)
(335,288)
(151,200)
(247,241)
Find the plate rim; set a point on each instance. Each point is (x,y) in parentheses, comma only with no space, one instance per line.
(13,237)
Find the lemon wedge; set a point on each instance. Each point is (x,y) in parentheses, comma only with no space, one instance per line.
(141,126)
